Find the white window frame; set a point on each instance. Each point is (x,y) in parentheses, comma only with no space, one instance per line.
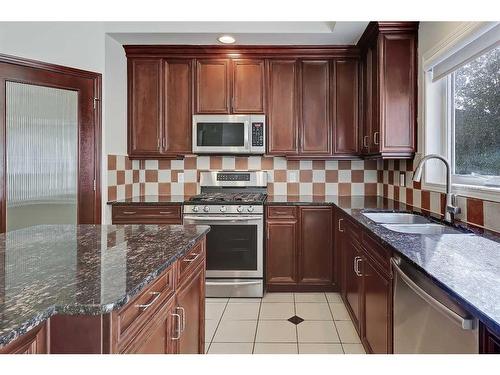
(466,186)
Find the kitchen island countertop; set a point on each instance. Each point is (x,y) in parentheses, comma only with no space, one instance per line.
(81,269)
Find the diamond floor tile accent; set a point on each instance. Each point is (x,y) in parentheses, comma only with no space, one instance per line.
(295,320)
(280,323)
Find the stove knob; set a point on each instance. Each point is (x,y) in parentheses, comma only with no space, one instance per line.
(206,208)
(195,209)
(223,209)
(239,209)
(250,209)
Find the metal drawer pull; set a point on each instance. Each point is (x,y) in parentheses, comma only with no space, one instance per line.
(183,320)
(191,259)
(356,266)
(281,212)
(375,138)
(365,141)
(145,307)
(129,212)
(464,322)
(178,326)
(340,228)
(166,213)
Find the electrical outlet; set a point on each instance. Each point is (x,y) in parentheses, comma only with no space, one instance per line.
(293,176)
(180,177)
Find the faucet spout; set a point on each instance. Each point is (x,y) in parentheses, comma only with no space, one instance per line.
(451,208)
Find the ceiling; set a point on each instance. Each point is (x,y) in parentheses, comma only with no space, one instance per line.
(246,33)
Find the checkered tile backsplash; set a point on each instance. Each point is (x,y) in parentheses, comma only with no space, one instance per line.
(478,212)
(128,178)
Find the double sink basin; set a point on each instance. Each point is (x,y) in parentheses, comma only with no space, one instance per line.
(403,222)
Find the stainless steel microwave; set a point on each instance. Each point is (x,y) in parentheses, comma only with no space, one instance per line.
(229,134)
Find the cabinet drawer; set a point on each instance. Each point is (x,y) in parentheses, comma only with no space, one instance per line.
(136,313)
(378,252)
(192,259)
(137,214)
(282,212)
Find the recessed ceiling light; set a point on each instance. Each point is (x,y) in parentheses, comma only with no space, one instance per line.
(226,39)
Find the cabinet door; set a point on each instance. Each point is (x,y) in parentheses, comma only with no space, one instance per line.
(248,86)
(281,252)
(377,306)
(177,107)
(145,109)
(397,93)
(345,111)
(33,342)
(191,307)
(371,133)
(282,104)
(212,86)
(352,278)
(158,335)
(316,247)
(315,126)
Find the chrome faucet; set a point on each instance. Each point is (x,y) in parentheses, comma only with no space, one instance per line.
(451,199)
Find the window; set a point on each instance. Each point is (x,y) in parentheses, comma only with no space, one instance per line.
(475,121)
(461,110)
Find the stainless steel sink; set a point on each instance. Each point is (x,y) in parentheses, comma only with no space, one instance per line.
(429,228)
(396,218)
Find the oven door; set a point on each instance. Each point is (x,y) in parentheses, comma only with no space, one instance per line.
(234,245)
(223,134)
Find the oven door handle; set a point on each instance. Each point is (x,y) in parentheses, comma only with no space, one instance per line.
(219,218)
(233,282)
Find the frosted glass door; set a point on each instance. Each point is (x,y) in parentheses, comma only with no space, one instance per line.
(42,155)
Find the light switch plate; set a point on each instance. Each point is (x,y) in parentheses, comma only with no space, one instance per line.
(180,177)
(402,179)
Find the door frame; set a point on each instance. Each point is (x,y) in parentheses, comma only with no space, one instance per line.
(97,118)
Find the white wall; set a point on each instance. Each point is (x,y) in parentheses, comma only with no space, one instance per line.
(430,35)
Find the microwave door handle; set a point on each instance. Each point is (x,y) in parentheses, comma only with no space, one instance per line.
(248,130)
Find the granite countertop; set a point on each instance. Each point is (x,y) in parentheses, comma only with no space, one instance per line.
(81,269)
(466,263)
(166,200)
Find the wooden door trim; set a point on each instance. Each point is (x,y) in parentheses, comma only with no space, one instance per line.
(97,117)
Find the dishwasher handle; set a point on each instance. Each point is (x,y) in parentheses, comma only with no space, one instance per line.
(464,322)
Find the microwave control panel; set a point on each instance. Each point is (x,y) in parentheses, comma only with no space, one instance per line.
(257,134)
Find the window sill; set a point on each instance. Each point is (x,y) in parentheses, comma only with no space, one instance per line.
(469,191)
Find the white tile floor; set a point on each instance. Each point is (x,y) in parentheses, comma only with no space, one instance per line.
(261,326)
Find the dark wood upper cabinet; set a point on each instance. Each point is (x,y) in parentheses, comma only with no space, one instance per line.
(389,54)
(177,106)
(345,107)
(315,133)
(248,86)
(159,107)
(213,86)
(282,129)
(316,246)
(144,106)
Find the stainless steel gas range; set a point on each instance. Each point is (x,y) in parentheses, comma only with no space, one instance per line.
(232,203)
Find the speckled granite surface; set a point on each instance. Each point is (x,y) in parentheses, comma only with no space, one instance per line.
(156,200)
(81,269)
(464,264)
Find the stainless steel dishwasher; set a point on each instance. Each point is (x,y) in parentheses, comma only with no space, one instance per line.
(426,319)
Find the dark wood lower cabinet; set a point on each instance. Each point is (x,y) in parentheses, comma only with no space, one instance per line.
(167,317)
(191,305)
(34,342)
(377,292)
(366,285)
(488,342)
(146,214)
(299,248)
